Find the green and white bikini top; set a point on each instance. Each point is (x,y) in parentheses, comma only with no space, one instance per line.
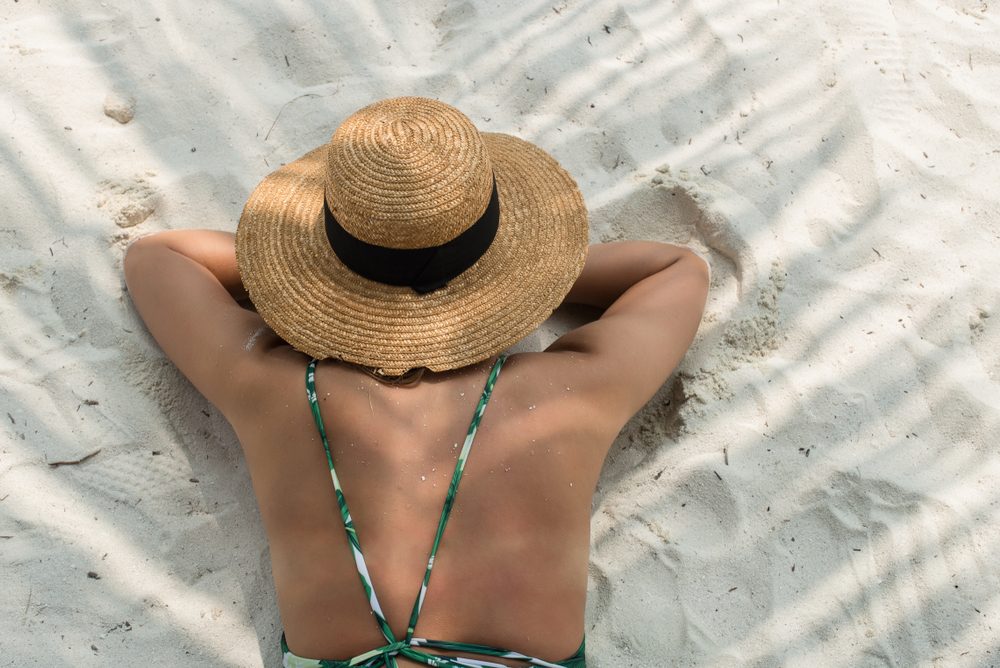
(409,646)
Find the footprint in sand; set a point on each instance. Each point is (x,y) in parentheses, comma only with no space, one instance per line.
(622,31)
(985,338)
(453,19)
(610,152)
(873,37)
(128,201)
(128,473)
(710,517)
(656,561)
(746,282)
(891,545)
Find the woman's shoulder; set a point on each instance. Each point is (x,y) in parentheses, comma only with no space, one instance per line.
(567,387)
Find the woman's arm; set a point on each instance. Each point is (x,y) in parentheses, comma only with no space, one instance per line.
(213,249)
(184,284)
(613,268)
(654,295)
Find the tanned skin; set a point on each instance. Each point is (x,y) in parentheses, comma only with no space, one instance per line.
(512,568)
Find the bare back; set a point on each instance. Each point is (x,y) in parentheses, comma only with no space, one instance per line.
(512,568)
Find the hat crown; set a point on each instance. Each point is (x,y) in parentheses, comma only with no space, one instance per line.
(407,172)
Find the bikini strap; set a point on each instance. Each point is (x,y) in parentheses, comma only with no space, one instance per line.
(345,513)
(449,499)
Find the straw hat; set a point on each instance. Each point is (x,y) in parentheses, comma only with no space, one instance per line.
(412,240)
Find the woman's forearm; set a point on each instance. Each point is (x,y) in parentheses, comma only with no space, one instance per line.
(613,268)
(215,250)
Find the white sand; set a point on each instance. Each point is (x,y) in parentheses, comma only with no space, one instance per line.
(819,485)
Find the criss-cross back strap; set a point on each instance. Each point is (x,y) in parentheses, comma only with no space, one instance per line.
(393,645)
(449,499)
(345,513)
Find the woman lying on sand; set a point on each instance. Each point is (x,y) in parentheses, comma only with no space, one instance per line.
(389,270)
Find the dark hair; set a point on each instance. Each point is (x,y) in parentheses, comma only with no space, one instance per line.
(410,377)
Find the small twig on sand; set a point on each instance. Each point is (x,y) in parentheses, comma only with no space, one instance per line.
(283,108)
(71,462)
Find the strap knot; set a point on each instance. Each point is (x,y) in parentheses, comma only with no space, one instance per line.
(392,649)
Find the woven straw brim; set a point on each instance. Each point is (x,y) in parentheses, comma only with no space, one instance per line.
(322,308)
